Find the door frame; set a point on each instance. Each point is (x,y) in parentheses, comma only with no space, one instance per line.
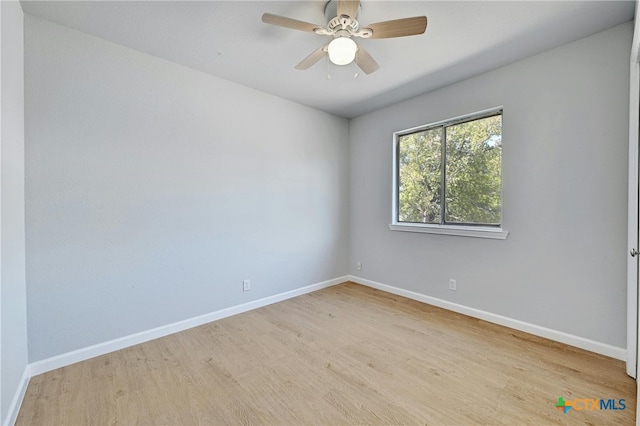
(632,244)
(632,221)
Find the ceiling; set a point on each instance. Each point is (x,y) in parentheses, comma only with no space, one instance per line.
(227,39)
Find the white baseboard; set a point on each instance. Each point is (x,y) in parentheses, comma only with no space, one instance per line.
(16,402)
(82,354)
(558,336)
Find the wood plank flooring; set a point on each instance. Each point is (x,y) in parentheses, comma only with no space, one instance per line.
(347,354)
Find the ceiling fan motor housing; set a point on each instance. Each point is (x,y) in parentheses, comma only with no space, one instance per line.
(343,23)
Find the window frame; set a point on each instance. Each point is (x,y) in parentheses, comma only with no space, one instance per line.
(458,229)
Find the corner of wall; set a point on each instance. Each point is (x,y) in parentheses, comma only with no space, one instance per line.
(16,401)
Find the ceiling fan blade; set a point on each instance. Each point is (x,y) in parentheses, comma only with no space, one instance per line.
(282,21)
(348,7)
(399,27)
(314,57)
(365,61)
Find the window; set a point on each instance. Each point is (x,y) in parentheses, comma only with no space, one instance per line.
(448,177)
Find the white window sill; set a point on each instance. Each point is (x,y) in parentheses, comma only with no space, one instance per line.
(460,231)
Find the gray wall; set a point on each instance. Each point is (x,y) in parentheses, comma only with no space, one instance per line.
(565,141)
(13,303)
(153,190)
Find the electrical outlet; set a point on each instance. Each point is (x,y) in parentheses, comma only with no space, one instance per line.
(452,284)
(246,285)
(359,266)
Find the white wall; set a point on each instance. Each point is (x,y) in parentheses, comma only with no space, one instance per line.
(153,190)
(565,139)
(13,319)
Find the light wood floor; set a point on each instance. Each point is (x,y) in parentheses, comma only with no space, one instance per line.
(343,355)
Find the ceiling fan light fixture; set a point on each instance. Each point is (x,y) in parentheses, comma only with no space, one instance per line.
(342,50)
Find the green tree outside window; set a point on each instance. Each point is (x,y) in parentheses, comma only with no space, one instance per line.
(451,173)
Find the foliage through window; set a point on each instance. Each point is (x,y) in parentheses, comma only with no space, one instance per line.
(449,173)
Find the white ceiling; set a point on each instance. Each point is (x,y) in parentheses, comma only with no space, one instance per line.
(227,39)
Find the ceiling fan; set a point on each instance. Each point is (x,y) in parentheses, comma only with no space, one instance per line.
(342,50)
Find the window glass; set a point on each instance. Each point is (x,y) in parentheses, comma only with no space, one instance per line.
(473,178)
(420,176)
